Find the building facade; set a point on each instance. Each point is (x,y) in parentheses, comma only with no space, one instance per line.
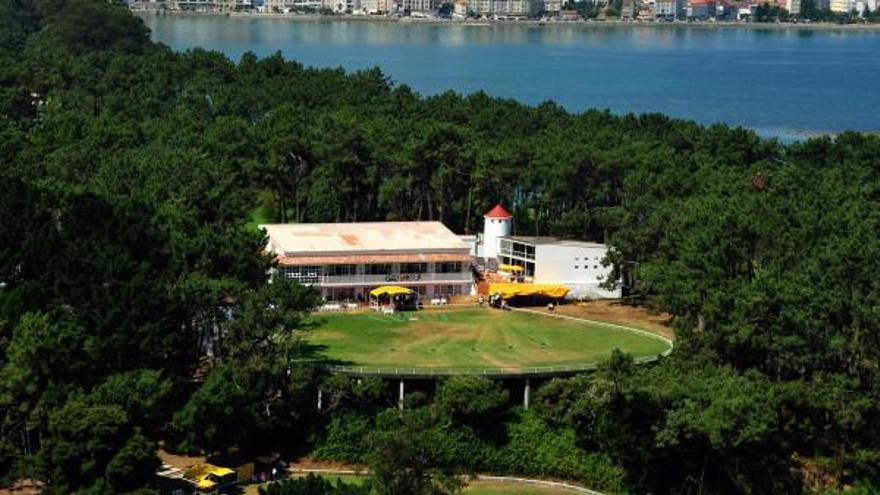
(344,261)
(418,5)
(842,6)
(548,260)
(665,9)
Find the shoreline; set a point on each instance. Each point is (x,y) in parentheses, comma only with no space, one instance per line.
(523,23)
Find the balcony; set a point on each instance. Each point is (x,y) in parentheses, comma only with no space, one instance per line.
(396,278)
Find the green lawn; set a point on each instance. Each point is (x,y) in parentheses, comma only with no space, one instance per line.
(470,338)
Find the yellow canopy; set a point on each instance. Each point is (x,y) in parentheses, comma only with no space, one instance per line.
(200,474)
(512,290)
(391,290)
(510,268)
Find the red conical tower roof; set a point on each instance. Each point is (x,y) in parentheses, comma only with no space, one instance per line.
(498,212)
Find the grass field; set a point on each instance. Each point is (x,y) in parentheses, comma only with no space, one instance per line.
(470,339)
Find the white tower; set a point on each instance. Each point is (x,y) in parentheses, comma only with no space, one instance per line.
(497,223)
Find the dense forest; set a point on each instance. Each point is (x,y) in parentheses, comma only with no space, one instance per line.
(133,177)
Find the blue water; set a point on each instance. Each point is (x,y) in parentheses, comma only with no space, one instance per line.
(785,83)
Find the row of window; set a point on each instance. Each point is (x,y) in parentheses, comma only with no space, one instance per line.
(517,249)
(349,293)
(307,272)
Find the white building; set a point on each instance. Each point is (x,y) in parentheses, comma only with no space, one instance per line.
(665,9)
(344,261)
(497,224)
(545,260)
(550,260)
(842,6)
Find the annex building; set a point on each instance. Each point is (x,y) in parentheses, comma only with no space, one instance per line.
(544,260)
(345,261)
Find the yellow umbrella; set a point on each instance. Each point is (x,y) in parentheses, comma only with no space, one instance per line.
(391,290)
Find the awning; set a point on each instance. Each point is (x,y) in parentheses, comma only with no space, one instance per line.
(510,268)
(508,291)
(391,290)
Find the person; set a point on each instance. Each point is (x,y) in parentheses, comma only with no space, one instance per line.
(550,306)
(480,301)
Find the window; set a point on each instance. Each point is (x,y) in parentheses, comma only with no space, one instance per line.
(505,247)
(413,267)
(379,269)
(449,267)
(340,270)
(302,274)
(447,290)
(340,294)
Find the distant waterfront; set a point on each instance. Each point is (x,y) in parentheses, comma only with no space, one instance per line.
(789,82)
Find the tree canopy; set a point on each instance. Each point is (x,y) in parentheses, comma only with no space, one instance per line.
(134,303)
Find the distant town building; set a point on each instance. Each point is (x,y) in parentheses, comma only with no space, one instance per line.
(842,6)
(726,10)
(516,8)
(701,10)
(665,9)
(419,5)
(552,7)
(793,7)
(283,6)
(505,8)
(480,8)
(211,5)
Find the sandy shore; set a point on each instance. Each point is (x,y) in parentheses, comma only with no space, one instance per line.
(524,22)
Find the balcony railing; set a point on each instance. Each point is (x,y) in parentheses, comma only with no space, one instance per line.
(395,278)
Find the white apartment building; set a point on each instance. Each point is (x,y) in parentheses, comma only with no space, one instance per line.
(344,261)
(505,8)
(842,6)
(419,5)
(665,9)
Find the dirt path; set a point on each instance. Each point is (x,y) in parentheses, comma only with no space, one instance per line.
(618,313)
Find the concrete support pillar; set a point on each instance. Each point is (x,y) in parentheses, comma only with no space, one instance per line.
(526,395)
(400,400)
(320,399)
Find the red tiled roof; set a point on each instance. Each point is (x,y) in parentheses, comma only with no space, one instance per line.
(498,212)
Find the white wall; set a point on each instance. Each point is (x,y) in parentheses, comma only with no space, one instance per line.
(493,230)
(578,267)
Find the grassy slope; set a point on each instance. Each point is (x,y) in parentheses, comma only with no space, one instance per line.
(472,338)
